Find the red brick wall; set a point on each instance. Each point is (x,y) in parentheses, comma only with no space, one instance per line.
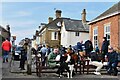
(119,30)
(113,33)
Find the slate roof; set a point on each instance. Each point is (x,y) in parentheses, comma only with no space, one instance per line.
(53,24)
(70,25)
(75,25)
(3,29)
(115,9)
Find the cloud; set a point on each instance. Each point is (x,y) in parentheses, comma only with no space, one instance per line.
(24,33)
(18,14)
(59,0)
(21,24)
(23,13)
(93,12)
(21,34)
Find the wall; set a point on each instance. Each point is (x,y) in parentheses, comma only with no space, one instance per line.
(119,31)
(69,38)
(113,30)
(4,34)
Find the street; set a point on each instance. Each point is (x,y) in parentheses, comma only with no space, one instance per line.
(15,74)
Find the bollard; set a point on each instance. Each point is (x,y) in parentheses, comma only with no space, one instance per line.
(29,60)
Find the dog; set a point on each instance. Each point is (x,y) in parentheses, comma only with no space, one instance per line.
(70,74)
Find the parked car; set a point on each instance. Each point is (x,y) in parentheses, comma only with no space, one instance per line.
(17,54)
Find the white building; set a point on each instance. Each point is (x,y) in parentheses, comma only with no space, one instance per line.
(64,31)
(73,31)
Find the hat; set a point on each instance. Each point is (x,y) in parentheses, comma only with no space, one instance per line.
(105,38)
(110,47)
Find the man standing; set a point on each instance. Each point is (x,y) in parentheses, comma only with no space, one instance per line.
(23,56)
(43,53)
(6,47)
(104,48)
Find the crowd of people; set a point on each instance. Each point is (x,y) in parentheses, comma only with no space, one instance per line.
(74,54)
(61,57)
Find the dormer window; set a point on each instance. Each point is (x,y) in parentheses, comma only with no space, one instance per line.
(59,24)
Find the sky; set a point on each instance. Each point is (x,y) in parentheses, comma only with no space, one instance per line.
(25,17)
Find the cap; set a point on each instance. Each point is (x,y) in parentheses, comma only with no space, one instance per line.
(110,47)
(105,38)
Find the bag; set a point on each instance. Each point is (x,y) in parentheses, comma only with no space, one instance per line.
(57,58)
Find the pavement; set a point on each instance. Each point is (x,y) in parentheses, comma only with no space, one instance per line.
(14,73)
(0,68)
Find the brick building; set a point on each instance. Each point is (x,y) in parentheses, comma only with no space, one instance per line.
(106,25)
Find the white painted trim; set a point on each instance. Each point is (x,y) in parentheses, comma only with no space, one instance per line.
(96,27)
(109,15)
(54,29)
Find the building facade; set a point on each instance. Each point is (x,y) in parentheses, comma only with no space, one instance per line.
(64,31)
(106,25)
(4,33)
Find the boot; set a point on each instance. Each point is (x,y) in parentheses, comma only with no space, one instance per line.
(6,59)
(3,60)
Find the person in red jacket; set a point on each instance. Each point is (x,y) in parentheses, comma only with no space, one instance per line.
(6,47)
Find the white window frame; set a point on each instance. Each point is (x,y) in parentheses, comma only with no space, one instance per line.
(95,34)
(77,33)
(53,35)
(107,31)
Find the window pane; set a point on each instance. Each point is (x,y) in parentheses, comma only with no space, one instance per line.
(108,28)
(55,35)
(96,37)
(108,36)
(76,33)
(52,35)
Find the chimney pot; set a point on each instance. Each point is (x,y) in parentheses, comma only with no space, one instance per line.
(50,19)
(58,13)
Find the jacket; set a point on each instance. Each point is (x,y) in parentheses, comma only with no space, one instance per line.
(94,56)
(6,45)
(104,47)
(112,57)
(79,46)
(51,59)
(88,46)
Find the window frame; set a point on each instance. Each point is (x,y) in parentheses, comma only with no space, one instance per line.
(107,31)
(95,34)
(54,35)
(77,33)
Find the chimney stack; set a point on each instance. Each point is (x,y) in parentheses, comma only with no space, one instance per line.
(50,19)
(84,16)
(8,27)
(58,13)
